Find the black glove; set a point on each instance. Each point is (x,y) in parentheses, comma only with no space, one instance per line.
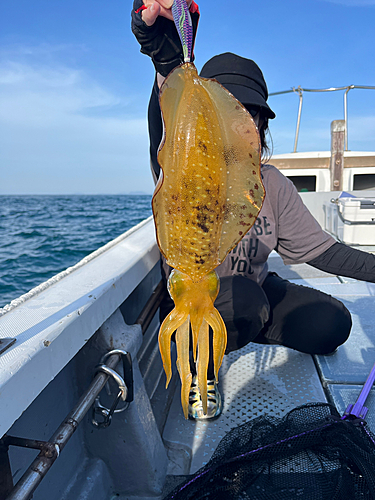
(161,41)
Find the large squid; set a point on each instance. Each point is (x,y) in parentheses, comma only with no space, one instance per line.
(207,198)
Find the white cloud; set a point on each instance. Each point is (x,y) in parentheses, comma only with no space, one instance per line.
(29,92)
(63,132)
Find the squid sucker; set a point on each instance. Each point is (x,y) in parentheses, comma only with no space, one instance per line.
(207,198)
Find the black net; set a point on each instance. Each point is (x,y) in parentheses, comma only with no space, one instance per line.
(309,454)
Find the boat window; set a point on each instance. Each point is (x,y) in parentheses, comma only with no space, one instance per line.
(363,181)
(304,183)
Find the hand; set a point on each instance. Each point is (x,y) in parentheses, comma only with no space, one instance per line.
(155,31)
(157,8)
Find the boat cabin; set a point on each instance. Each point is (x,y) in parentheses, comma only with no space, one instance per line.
(312,171)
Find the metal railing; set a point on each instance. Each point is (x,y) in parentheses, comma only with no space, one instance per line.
(50,450)
(299,90)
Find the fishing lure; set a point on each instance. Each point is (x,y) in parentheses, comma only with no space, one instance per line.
(207,198)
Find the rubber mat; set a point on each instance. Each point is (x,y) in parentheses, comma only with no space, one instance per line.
(253,381)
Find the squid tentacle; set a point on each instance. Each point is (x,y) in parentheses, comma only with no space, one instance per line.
(194,307)
(183,365)
(216,322)
(202,364)
(173,321)
(223,338)
(196,320)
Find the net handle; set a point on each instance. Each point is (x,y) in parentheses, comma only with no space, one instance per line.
(358,409)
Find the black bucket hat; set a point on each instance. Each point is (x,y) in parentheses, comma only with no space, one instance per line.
(242,77)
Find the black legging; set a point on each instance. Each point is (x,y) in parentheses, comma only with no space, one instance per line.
(279,313)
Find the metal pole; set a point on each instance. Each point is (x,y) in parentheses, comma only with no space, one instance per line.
(337,154)
(346,115)
(299,91)
(44,461)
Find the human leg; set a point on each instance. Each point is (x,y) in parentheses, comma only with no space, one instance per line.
(303,318)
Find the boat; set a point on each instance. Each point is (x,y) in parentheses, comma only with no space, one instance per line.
(60,343)
(311,171)
(338,169)
(84,413)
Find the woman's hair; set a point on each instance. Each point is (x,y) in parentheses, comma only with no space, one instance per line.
(266,148)
(263,130)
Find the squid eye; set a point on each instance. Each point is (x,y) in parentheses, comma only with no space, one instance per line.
(213,284)
(176,285)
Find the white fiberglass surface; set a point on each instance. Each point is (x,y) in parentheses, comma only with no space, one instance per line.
(53,325)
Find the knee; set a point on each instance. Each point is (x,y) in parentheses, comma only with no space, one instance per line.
(325,327)
(336,327)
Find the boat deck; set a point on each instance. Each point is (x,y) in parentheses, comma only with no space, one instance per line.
(63,330)
(272,380)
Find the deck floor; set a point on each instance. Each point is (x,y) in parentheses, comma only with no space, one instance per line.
(272,380)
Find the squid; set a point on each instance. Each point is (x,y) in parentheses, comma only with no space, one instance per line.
(207,198)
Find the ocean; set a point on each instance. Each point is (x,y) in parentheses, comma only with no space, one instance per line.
(41,236)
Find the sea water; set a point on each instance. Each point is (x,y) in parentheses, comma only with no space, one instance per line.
(41,236)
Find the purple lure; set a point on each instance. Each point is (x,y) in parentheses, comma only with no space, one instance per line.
(182,19)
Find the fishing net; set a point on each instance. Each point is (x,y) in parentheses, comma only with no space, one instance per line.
(311,454)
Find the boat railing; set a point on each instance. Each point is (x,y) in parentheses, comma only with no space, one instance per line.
(300,90)
(50,450)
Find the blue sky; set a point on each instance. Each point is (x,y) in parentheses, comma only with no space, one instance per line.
(74,87)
